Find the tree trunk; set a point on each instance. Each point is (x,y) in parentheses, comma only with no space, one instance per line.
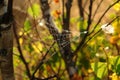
(60,38)
(6,40)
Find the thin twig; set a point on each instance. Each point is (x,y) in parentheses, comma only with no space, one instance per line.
(81,9)
(20,51)
(90,15)
(97,9)
(35,25)
(63,11)
(89,23)
(42,61)
(107,61)
(99,31)
(117,48)
(103,15)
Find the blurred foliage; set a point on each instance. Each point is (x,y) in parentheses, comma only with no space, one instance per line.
(98,60)
(34,10)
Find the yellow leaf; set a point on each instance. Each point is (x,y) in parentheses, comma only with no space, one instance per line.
(21,40)
(114,76)
(37,47)
(117,7)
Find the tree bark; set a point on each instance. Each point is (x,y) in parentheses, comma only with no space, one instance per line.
(6,40)
(60,38)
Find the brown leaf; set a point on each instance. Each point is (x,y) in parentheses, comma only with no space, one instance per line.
(76,77)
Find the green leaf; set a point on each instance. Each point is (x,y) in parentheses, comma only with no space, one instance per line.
(115,64)
(118,69)
(29,48)
(34,10)
(99,68)
(27,25)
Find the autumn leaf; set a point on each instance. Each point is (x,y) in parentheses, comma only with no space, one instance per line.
(76,77)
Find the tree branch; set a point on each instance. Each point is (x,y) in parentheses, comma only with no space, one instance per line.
(21,53)
(81,9)
(67,18)
(103,16)
(60,37)
(41,62)
(98,6)
(99,31)
(88,23)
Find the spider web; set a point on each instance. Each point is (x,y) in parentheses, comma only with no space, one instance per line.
(62,37)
